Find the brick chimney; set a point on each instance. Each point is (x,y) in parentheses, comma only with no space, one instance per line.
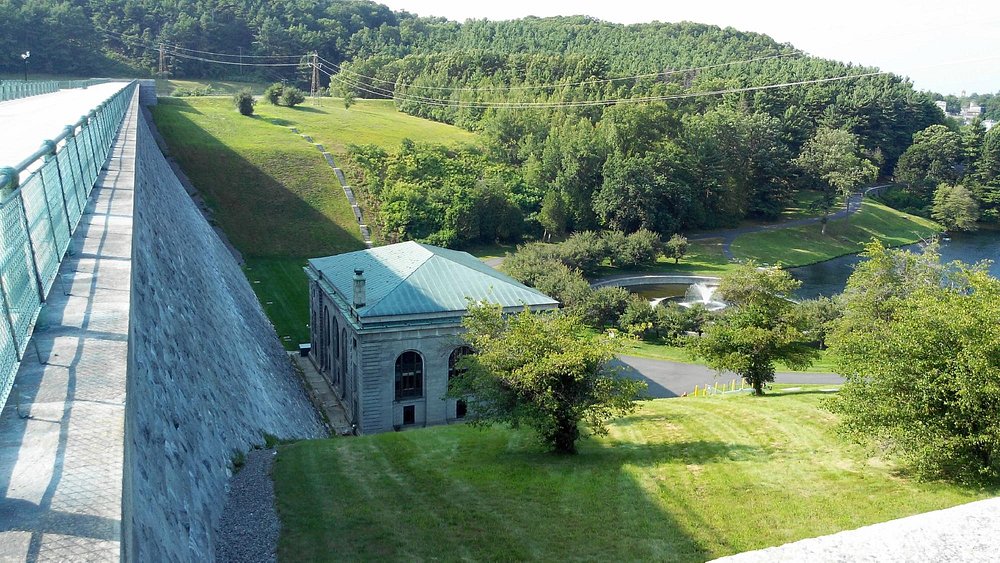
(359,289)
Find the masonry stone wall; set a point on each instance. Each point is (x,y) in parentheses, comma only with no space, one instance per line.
(207,375)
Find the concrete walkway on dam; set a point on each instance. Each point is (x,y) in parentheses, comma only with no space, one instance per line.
(26,122)
(62,430)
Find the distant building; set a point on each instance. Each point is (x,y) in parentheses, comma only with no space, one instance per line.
(971,112)
(942,105)
(386,323)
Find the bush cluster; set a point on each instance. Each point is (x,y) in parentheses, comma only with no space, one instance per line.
(278,94)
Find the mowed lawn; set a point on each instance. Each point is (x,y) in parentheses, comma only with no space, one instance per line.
(272,192)
(799,246)
(685,479)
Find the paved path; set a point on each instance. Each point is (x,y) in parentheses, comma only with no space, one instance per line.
(323,396)
(27,122)
(730,235)
(673,379)
(62,430)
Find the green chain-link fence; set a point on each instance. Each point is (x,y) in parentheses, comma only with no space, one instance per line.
(38,217)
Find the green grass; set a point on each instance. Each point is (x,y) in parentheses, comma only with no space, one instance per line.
(799,246)
(283,290)
(367,122)
(272,192)
(166,87)
(682,480)
(823,364)
(704,257)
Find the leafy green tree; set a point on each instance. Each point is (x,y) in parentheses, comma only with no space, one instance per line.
(833,158)
(917,346)
(552,216)
(540,370)
(932,159)
(757,329)
(584,251)
(676,247)
(244,102)
(955,208)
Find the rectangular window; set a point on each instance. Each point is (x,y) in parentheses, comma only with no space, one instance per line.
(409,414)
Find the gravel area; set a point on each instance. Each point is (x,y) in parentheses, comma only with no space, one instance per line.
(248,530)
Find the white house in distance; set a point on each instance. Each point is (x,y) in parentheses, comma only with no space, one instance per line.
(386,323)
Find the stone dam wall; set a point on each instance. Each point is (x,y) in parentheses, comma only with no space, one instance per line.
(207,376)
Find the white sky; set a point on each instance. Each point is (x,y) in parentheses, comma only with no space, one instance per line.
(944,46)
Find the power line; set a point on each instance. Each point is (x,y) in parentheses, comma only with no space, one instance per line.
(235,63)
(665,73)
(605,102)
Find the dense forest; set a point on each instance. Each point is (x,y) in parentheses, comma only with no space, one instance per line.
(565,148)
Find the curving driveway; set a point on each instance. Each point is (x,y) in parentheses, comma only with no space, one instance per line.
(673,379)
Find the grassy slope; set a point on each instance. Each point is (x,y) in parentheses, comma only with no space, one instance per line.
(806,245)
(684,479)
(272,192)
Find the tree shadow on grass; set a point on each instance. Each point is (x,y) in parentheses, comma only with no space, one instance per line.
(309,109)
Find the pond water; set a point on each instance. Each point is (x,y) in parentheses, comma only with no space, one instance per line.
(829,278)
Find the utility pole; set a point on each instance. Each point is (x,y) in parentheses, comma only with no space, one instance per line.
(241,60)
(315,76)
(163,63)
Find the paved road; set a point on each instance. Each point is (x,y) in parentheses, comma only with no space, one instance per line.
(673,379)
(27,122)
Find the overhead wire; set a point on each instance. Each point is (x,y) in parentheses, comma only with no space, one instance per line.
(664,73)
(587,103)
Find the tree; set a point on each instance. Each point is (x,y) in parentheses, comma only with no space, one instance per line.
(955,208)
(757,328)
(552,216)
(917,346)
(676,247)
(540,370)
(244,102)
(932,159)
(833,157)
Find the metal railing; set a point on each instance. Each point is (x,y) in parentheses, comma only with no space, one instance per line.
(15,89)
(38,218)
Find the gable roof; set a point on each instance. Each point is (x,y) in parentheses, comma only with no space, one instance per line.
(410,278)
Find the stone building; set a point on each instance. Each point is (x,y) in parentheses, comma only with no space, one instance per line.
(386,323)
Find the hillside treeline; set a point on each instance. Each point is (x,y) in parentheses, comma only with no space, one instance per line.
(563,147)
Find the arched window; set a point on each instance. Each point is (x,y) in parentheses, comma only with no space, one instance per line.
(409,376)
(460,407)
(457,355)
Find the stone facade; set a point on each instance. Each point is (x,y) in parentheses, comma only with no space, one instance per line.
(360,365)
(388,344)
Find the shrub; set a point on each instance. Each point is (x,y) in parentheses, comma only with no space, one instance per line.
(584,251)
(244,102)
(292,96)
(640,248)
(273,93)
(190,92)
(603,307)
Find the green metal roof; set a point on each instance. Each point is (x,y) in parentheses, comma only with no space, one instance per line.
(410,278)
